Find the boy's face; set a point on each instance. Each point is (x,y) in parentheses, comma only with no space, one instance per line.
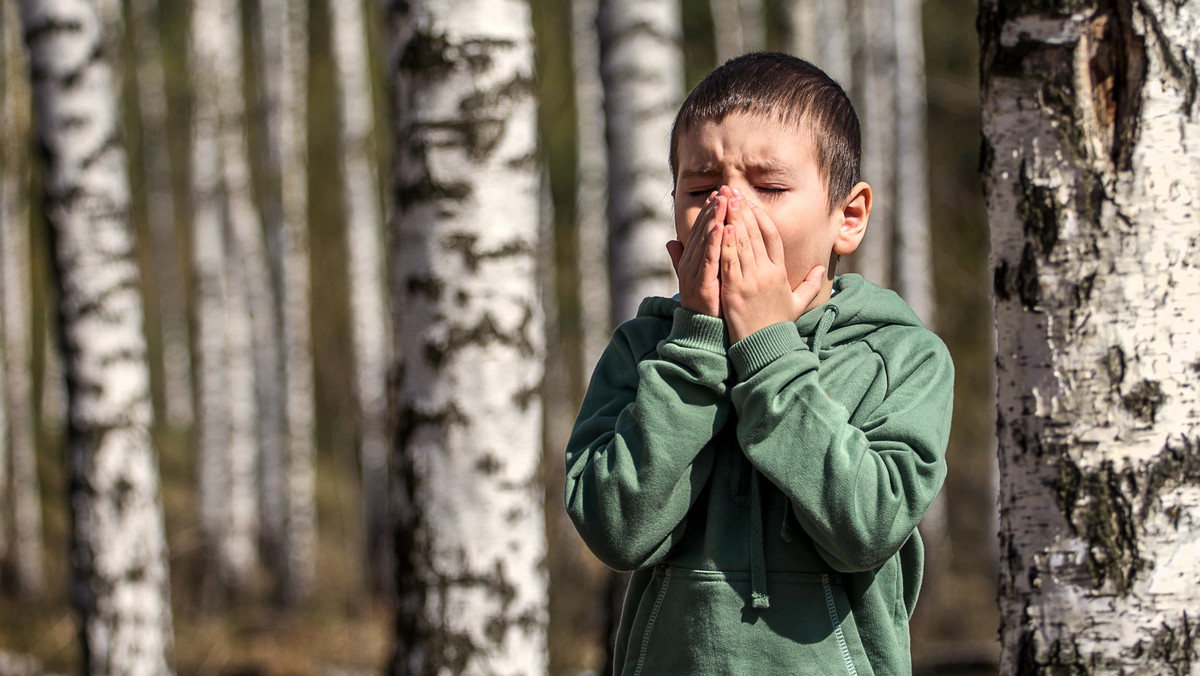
(775,165)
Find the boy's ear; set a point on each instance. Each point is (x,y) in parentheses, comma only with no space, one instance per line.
(854,215)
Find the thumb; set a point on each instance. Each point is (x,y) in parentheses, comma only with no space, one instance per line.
(804,293)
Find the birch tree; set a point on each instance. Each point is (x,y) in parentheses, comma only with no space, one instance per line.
(227,247)
(470,529)
(24,492)
(118,548)
(284,36)
(641,66)
(1090,120)
(365,260)
(740,27)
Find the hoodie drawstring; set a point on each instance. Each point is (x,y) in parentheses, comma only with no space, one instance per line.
(823,325)
(758,563)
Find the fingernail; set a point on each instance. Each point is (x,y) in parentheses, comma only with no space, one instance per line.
(735,204)
(737,192)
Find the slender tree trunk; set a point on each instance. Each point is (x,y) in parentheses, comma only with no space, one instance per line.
(226,224)
(591,184)
(119,553)
(803,29)
(160,215)
(641,66)
(25,491)
(285,58)
(1090,118)
(740,27)
(368,304)
(470,528)
(875,97)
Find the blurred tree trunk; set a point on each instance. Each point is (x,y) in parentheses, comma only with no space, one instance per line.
(368,305)
(284,78)
(641,66)
(470,528)
(591,185)
(740,27)
(25,491)
(1090,125)
(160,215)
(821,32)
(875,96)
(118,551)
(225,229)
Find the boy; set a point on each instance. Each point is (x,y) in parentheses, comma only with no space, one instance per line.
(761,449)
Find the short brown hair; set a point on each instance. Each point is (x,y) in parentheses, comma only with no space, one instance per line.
(794,91)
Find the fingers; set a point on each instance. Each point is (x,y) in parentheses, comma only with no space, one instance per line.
(806,292)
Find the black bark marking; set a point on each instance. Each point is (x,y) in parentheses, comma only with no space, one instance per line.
(1097,508)
(426,285)
(1144,400)
(1039,212)
(1179,66)
(1114,365)
(488,464)
(1174,646)
(1000,282)
(466,245)
(485,332)
(1028,286)
(425,189)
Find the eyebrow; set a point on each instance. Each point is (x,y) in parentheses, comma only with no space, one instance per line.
(757,168)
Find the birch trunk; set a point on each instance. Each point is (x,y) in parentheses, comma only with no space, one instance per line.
(119,553)
(160,215)
(1092,183)
(803,30)
(25,492)
(226,224)
(875,97)
(470,527)
(591,185)
(641,66)
(740,27)
(368,306)
(285,73)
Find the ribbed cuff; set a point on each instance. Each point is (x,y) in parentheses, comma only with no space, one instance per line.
(698,331)
(752,353)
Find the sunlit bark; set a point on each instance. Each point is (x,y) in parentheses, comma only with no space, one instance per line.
(1090,123)
(470,528)
(118,551)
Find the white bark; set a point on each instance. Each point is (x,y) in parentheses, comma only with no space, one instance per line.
(913,251)
(365,260)
(468,497)
(1090,122)
(285,43)
(25,492)
(160,215)
(804,31)
(875,97)
(641,66)
(119,553)
(226,223)
(591,191)
(739,27)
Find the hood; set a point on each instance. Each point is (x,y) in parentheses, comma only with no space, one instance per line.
(859,309)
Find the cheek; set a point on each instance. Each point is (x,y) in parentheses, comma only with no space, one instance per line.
(684,218)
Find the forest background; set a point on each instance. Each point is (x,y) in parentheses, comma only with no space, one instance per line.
(344,625)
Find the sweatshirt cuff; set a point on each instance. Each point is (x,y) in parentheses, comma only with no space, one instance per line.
(698,331)
(752,353)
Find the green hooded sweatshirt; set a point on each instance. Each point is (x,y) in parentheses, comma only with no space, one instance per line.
(767,494)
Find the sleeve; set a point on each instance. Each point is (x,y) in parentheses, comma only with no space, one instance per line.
(858,492)
(639,454)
